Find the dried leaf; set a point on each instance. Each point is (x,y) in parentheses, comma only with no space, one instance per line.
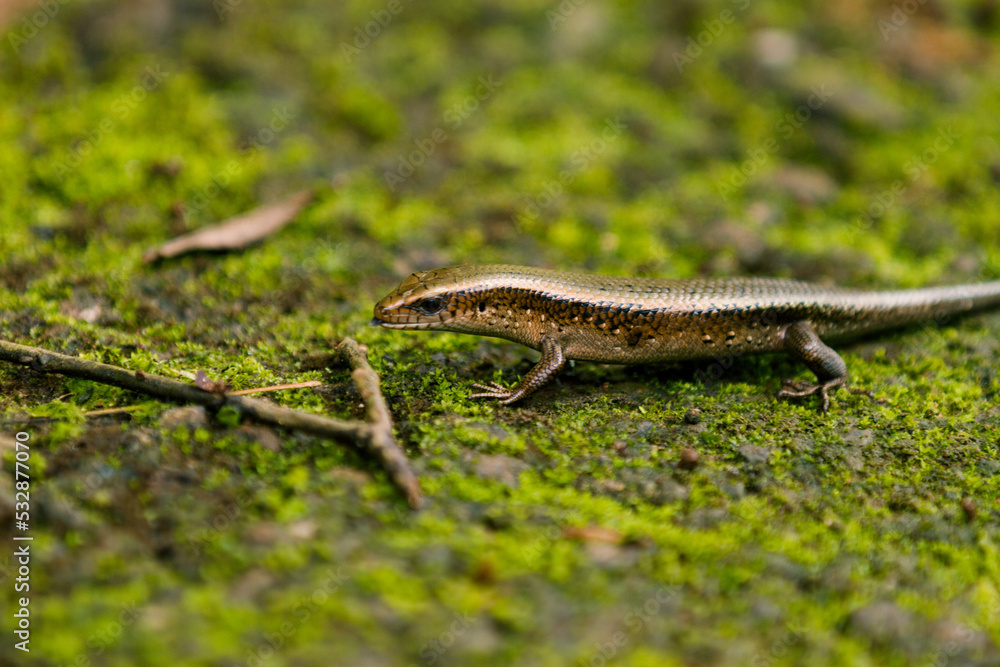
(593,534)
(9,10)
(203,382)
(235,233)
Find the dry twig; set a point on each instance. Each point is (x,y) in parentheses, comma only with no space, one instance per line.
(375,438)
(277,387)
(379,418)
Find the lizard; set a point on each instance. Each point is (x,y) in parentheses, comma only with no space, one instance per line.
(622,320)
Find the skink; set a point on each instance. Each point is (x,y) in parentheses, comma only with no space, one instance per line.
(645,320)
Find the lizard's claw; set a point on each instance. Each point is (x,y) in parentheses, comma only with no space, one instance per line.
(494,390)
(793,386)
(794,389)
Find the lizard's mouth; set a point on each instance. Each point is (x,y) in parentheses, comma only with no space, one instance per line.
(403,318)
(376,322)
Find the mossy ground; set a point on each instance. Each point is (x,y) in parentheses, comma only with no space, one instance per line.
(481,132)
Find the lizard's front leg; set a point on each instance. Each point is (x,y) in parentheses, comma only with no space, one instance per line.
(552,361)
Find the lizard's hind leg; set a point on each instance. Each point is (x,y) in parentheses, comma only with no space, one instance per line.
(802,342)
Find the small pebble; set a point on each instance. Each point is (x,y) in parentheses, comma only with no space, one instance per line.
(754,454)
(969,507)
(693,416)
(689,458)
(501,468)
(191,416)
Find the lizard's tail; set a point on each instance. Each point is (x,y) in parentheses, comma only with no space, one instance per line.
(957,299)
(874,311)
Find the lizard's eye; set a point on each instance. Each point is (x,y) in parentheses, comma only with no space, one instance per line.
(430,306)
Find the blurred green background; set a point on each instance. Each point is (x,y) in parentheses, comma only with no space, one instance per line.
(843,142)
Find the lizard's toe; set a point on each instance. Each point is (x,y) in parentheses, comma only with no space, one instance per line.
(794,389)
(491,390)
(795,386)
(799,390)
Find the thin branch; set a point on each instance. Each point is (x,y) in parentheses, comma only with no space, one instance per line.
(278,387)
(370,438)
(45,361)
(391,454)
(30,420)
(111,411)
(367,382)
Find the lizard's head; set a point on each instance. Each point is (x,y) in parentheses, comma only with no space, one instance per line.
(425,300)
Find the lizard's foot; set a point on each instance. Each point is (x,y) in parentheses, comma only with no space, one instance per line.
(493,390)
(795,386)
(547,367)
(794,389)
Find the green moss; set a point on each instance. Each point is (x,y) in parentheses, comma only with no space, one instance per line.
(235,545)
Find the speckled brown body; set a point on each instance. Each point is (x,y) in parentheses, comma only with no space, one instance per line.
(645,320)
